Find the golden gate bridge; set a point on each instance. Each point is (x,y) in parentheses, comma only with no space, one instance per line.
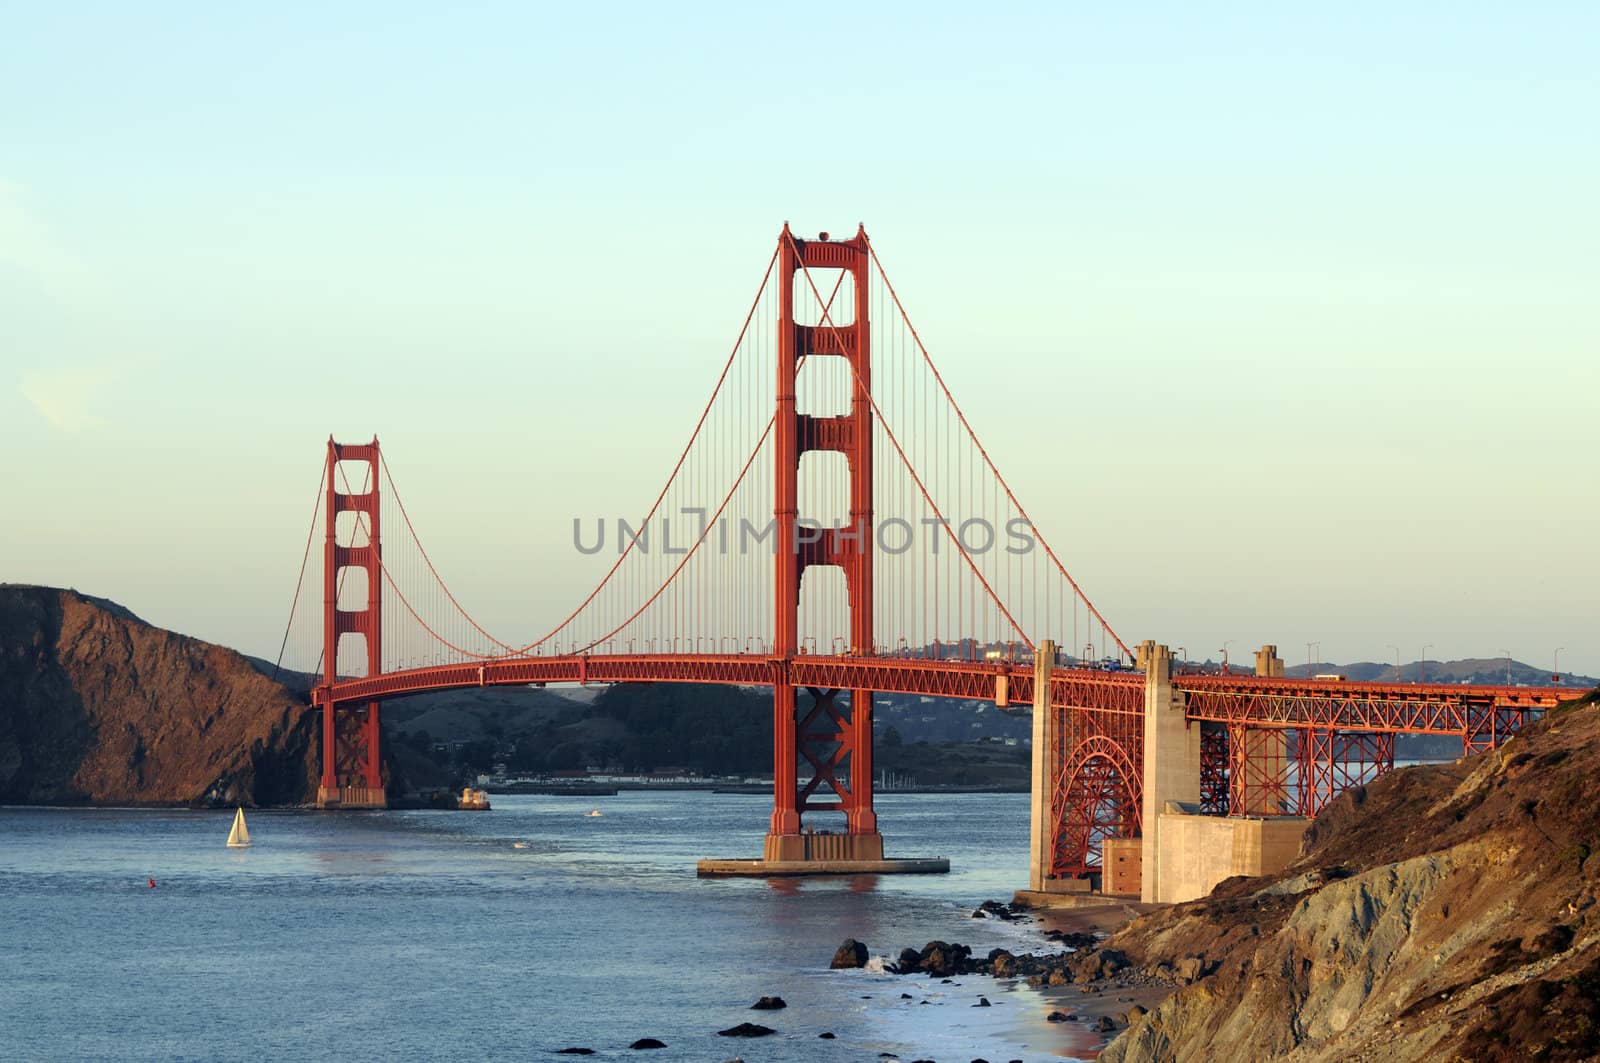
(832,529)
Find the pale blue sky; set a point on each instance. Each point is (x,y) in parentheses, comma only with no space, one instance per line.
(1307,296)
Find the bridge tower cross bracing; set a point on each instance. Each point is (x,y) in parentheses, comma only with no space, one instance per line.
(820,735)
(352,766)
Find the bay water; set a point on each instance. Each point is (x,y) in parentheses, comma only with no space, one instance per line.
(508,934)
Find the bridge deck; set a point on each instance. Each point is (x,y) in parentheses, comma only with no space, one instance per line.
(1001,682)
(1402,708)
(1417,708)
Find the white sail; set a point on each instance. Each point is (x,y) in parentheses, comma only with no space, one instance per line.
(239,837)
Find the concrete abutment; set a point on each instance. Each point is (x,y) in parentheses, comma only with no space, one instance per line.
(1179,854)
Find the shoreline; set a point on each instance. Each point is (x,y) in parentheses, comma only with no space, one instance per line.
(1096,1002)
(1092,1012)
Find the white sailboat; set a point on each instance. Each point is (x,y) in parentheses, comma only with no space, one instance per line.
(239,837)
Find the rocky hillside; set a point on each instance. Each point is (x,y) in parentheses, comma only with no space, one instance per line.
(98,707)
(1444,912)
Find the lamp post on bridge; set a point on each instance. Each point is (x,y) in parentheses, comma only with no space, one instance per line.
(1396,650)
(1224,652)
(1507,655)
(1422,673)
(1555,671)
(1318,645)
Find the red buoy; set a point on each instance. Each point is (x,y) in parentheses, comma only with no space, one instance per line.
(152,883)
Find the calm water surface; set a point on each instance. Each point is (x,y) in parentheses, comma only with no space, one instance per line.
(508,934)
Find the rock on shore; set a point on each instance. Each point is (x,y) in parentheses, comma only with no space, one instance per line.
(1443,912)
(98,707)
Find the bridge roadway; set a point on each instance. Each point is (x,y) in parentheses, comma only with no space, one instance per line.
(1004,683)
(1400,708)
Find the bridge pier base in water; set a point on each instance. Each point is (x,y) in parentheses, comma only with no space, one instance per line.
(823,864)
(791,847)
(787,855)
(350,797)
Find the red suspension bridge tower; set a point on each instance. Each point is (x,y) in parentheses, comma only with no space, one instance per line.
(352,766)
(812,732)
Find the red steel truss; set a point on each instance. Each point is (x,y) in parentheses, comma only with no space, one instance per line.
(1490,712)
(1330,762)
(1291,745)
(1214,773)
(1097,789)
(1258,771)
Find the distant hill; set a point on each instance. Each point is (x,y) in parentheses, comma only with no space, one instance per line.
(98,707)
(1488,671)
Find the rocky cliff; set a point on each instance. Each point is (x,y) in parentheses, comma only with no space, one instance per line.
(98,707)
(1440,913)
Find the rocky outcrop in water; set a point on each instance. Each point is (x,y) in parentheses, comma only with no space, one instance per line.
(98,707)
(850,955)
(1444,912)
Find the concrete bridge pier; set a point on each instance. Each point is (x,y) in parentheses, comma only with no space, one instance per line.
(1171,761)
(1041,838)
(1183,853)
